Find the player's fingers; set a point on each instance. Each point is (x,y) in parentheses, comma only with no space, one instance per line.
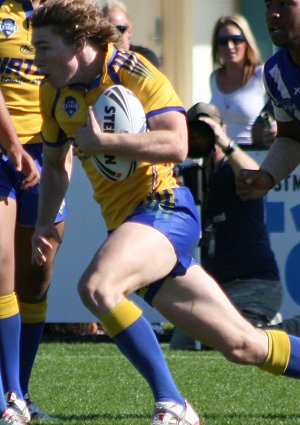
(247,176)
(243,194)
(38,257)
(92,120)
(17,164)
(30,181)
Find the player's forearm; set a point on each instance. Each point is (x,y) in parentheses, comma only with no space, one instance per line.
(282,158)
(8,136)
(153,146)
(53,188)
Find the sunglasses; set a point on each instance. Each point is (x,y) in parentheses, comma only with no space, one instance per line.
(122,28)
(223,40)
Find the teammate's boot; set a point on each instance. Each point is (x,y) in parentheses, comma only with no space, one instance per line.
(10,418)
(17,406)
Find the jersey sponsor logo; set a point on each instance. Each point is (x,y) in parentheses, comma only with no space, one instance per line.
(70,105)
(8,27)
(27,49)
(109,119)
(17,66)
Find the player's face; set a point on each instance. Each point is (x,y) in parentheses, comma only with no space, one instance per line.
(283,21)
(231,44)
(55,59)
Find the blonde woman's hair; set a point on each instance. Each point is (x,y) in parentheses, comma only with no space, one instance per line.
(116,6)
(252,54)
(76,19)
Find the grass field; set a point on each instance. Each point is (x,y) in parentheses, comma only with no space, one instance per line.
(93,384)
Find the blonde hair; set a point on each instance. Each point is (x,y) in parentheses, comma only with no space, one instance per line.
(116,6)
(76,19)
(252,54)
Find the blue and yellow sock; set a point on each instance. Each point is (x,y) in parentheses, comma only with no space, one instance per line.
(136,340)
(3,405)
(10,327)
(284,354)
(33,322)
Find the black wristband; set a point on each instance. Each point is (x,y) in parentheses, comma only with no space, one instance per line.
(230,148)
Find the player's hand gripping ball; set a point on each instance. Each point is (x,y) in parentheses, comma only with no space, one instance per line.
(118,110)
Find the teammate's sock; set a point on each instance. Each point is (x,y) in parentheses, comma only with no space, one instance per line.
(33,322)
(3,405)
(10,326)
(284,354)
(136,340)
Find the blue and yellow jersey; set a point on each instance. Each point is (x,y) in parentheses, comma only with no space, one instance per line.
(65,110)
(19,77)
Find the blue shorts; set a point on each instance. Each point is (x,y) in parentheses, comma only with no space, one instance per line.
(27,200)
(174,214)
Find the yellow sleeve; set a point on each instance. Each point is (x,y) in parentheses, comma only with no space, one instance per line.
(51,132)
(150,85)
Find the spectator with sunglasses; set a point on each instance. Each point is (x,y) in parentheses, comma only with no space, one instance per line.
(236,83)
(118,15)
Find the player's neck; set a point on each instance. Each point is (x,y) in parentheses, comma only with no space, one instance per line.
(295,56)
(91,65)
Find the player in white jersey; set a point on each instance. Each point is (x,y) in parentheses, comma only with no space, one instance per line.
(282,81)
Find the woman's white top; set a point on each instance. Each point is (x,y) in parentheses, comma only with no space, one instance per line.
(240,108)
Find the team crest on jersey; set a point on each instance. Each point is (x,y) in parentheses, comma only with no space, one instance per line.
(70,105)
(8,27)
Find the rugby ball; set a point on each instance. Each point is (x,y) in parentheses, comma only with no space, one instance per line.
(118,110)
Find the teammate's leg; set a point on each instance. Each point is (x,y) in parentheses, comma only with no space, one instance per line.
(9,309)
(32,283)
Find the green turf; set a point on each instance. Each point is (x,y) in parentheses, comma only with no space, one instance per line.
(93,384)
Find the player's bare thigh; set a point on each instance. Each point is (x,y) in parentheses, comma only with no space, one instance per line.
(196,304)
(8,210)
(133,256)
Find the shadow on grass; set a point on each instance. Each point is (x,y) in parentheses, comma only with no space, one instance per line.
(85,420)
(253,417)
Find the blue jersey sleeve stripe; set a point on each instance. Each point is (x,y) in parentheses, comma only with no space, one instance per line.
(59,142)
(113,75)
(167,109)
(130,61)
(55,102)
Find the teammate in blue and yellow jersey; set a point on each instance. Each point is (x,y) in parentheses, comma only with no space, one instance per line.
(23,286)
(150,247)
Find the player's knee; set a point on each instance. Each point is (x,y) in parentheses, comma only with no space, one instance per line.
(95,293)
(243,350)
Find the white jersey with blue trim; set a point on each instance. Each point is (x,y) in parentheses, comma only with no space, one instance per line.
(282,81)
